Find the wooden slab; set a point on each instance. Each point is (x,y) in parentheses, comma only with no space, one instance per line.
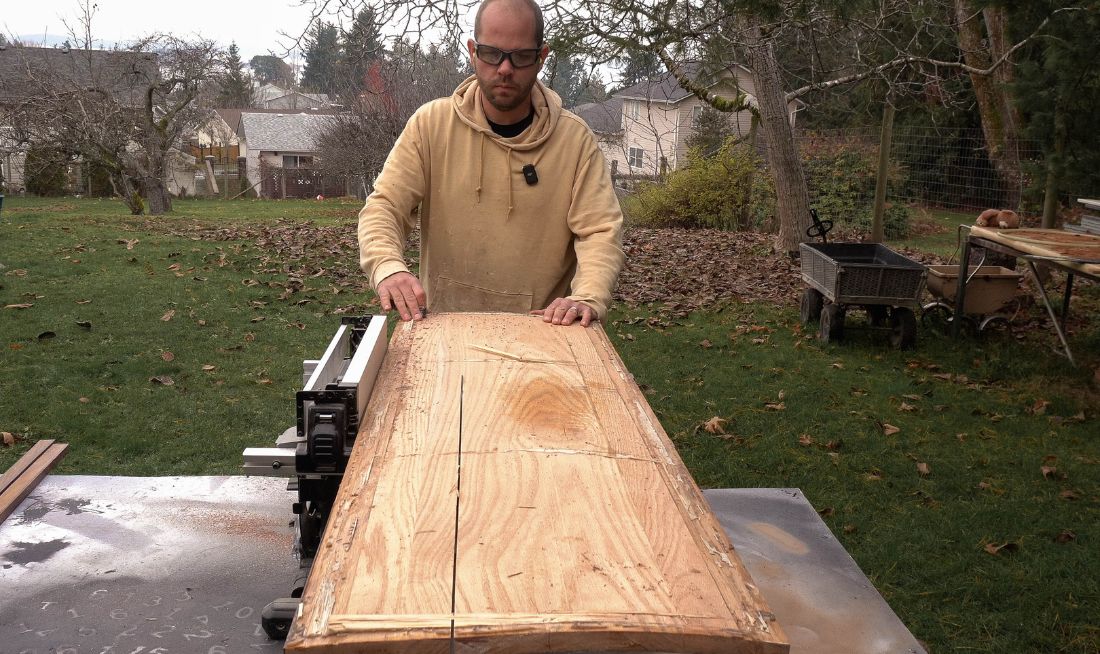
(1079,252)
(19,480)
(560,519)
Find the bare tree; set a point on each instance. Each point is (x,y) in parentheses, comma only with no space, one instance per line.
(127,111)
(356,142)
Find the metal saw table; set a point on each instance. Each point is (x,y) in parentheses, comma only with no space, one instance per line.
(160,565)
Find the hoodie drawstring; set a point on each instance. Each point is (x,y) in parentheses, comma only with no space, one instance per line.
(509,183)
(480,168)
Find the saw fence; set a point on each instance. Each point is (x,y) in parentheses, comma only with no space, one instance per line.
(510,490)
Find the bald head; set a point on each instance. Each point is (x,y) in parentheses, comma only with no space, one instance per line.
(529,7)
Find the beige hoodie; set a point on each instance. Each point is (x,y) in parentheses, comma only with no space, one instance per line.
(489,240)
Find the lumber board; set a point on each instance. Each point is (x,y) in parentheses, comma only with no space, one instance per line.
(1079,252)
(561,519)
(25,474)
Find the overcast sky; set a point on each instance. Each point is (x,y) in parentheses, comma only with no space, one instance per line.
(254,24)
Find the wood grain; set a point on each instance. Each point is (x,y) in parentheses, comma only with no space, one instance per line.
(578,526)
(19,480)
(1080,252)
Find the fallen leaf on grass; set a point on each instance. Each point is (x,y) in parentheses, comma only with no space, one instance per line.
(838,365)
(706,344)
(258,319)
(15,346)
(129,242)
(46,334)
(171,313)
(163,380)
(905,406)
(775,406)
(834,445)
(167,356)
(1051,472)
(174,266)
(827,512)
(1065,536)
(995,549)
(805,440)
(83,301)
(83,400)
(8,437)
(209,368)
(1039,408)
(850,529)
(715,425)
(923,469)
(1070,495)
(264,381)
(22,305)
(874,475)
(889,430)
(84,324)
(910,396)
(249,337)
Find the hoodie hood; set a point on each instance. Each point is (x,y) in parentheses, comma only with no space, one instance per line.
(467,102)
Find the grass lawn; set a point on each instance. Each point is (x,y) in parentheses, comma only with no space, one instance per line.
(165,346)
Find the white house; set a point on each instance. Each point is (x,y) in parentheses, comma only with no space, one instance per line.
(656,118)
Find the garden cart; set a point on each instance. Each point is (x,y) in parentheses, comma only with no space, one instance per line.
(887,285)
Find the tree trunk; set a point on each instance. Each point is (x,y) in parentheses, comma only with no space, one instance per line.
(1054,163)
(1000,118)
(156,195)
(792,194)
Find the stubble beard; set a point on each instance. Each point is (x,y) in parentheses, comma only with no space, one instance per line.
(522,95)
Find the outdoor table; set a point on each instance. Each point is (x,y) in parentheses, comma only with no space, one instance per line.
(1073,253)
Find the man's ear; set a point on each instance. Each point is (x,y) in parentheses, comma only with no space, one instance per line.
(543,54)
(471,47)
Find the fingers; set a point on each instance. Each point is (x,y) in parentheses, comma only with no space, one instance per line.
(404,293)
(563,311)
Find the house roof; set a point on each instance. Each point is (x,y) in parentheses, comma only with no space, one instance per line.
(271,92)
(602,117)
(282,131)
(124,74)
(665,88)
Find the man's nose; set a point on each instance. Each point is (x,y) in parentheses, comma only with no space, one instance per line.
(505,67)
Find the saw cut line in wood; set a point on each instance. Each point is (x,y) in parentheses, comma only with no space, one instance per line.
(526,501)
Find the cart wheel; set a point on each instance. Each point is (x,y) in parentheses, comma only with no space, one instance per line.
(810,309)
(877,315)
(994,322)
(832,323)
(903,324)
(936,318)
(275,628)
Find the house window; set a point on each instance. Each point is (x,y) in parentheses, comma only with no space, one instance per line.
(637,157)
(696,114)
(297,161)
(632,109)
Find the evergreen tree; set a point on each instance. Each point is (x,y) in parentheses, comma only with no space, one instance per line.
(322,59)
(565,74)
(712,129)
(640,66)
(269,69)
(234,87)
(361,46)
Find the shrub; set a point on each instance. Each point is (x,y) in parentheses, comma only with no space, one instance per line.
(841,178)
(46,171)
(726,191)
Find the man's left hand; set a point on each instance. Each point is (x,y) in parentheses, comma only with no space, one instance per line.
(564,311)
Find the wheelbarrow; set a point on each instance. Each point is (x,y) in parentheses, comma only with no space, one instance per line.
(871,276)
(990,296)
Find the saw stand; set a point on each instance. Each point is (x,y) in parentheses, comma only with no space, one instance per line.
(315,452)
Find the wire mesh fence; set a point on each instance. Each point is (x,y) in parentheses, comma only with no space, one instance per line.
(937,168)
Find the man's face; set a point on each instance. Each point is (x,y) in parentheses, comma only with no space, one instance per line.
(506,88)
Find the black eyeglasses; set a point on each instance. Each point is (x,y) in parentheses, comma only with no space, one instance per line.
(495,56)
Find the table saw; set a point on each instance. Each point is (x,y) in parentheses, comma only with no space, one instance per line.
(191,564)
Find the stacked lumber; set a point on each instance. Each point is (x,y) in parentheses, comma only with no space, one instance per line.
(19,480)
(511,491)
(1090,222)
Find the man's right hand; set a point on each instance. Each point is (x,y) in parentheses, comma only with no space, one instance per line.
(402,291)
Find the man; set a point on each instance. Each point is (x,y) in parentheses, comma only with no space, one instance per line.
(516,207)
